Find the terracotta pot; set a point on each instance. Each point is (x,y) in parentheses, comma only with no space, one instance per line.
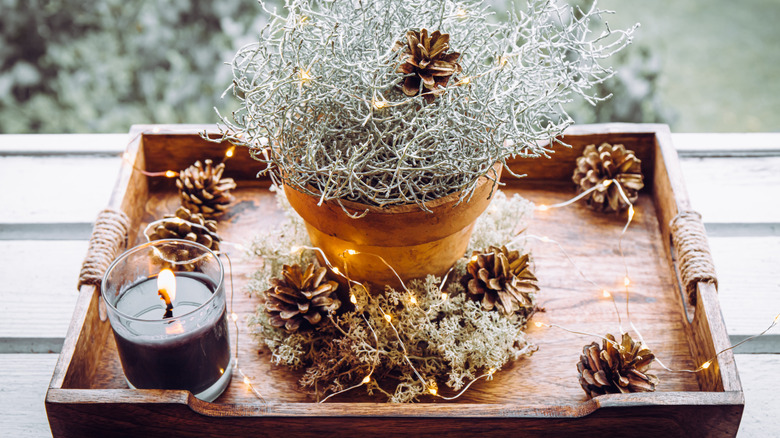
(414,242)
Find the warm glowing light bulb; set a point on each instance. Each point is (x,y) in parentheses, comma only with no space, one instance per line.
(229,152)
(413,299)
(351,252)
(126,156)
(465,81)
(474,258)
(433,390)
(545,239)
(336,270)
(222,371)
(605,293)
(304,76)
(171,174)
(491,370)
(233,316)
(606,183)
(366,379)
(538,324)
(295,249)
(444,296)
(352,299)
(706,365)
(247,381)
(630,212)
(388,317)
(626,281)
(379,104)
(542,208)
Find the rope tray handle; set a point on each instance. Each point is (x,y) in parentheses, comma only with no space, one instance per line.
(109,236)
(693,252)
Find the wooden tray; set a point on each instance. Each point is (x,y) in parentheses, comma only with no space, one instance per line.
(540,395)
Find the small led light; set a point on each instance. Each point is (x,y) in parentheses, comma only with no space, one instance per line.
(545,239)
(366,379)
(474,258)
(222,371)
(352,299)
(538,324)
(351,252)
(336,270)
(491,370)
(630,212)
(413,300)
(433,390)
(295,249)
(379,104)
(503,60)
(126,156)
(156,130)
(542,208)
(171,174)
(233,316)
(606,183)
(706,365)
(247,381)
(304,76)
(606,293)
(777,318)
(626,281)
(229,152)
(388,317)
(444,296)
(465,81)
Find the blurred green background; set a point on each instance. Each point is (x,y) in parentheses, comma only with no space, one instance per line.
(101,66)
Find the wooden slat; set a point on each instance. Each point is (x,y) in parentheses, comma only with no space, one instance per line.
(55,189)
(753,144)
(23,383)
(63,144)
(758,373)
(749,288)
(734,190)
(39,292)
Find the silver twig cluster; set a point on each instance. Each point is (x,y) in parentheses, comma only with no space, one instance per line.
(320,98)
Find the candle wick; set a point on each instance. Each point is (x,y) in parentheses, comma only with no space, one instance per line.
(168,305)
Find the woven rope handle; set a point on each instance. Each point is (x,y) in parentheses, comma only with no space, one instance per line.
(109,236)
(693,252)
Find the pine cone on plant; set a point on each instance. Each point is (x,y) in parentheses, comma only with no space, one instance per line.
(608,162)
(503,280)
(203,190)
(424,59)
(616,368)
(300,299)
(187,225)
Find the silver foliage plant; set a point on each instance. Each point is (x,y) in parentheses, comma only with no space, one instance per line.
(322,85)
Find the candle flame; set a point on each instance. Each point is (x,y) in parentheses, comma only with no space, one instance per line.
(166,282)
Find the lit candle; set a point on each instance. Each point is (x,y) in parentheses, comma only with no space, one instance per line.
(170,328)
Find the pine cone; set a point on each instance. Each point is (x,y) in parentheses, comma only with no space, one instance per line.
(188,226)
(425,60)
(501,279)
(609,370)
(299,300)
(609,162)
(203,190)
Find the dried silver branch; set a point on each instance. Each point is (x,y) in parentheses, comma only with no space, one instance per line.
(323,84)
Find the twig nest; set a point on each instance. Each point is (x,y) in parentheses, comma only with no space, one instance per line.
(301,298)
(616,368)
(502,280)
(425,59)
(203,190)
(597,166)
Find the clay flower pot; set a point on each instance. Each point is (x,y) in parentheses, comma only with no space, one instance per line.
(414,242)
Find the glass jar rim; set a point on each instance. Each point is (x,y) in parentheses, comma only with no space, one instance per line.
(155,243)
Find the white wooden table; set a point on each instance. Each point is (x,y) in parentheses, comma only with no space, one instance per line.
(53,186)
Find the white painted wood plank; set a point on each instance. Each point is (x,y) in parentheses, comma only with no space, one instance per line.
(59,144)
(734,190)
(749,284)
(55,189)
(38,291)
(758,373)
(731,144)
(23,385)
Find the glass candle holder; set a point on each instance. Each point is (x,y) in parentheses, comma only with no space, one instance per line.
(171,331)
